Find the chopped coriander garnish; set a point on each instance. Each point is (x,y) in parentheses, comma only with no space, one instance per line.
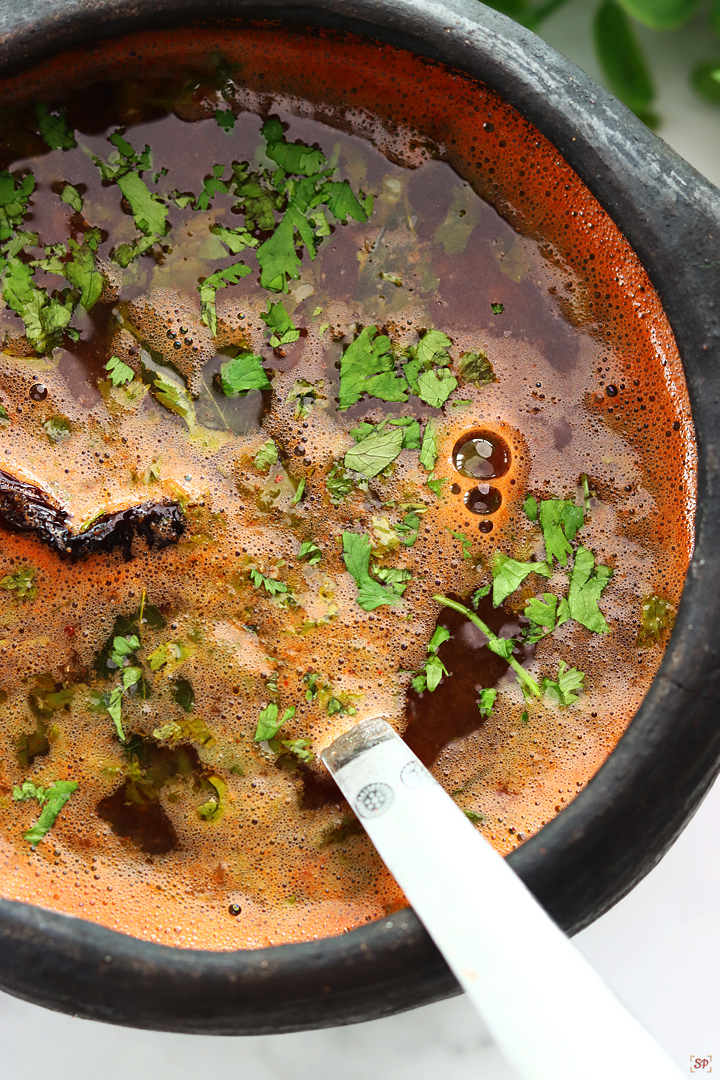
(464,541)
(509,574)
(435,387)
(545,614)
(497,309)
(243,374)
(486,702)
(433,668)
(375,452)
(299,492)
(562,690)
(367,366)
(119,373)
(72,197)
(435,484)
(53,128)
(266,456)
(280,325)
(428,450)
(356,555)
(209,287)
(309,552)
(560,520)
(530,507)
(586,587)
(270,585)
(500,646)
(226,119)
(51,798)
(270,722)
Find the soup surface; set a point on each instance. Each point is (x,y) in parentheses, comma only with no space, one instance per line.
(328,391)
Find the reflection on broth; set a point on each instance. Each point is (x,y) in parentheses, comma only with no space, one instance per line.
(327,392)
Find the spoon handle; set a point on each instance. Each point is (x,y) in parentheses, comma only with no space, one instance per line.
(549,1012)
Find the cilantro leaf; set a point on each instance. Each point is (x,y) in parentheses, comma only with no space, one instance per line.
(148,210)
(396,578)
(561,690)
(375,452)
(277,257)
(123,646)
(497,309)
(299,492)
(269,722)
(542,613)
(367,366)
(500,646)
(342,202)
(280,325)
(310,552)
(486,702)
(72,197)
(356,555)
(236,240)
(242,374)
(270,585)
(299,747)
(475,367)
(586,587)
(509,574)
(464,541)
(53,128)
(209,287)
(428,450)
(45,317)
(170,393)
(81,272)
(14,200)
(212,185)
(266,456)
(560,520)
(21,582)
(226,119)
(119,373)
(408,528)
(339,484)
(52,799)
(530,507)
(435,387)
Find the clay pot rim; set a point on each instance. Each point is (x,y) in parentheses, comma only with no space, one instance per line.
(621,824)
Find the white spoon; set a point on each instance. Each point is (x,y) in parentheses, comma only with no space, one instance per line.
(549,1012)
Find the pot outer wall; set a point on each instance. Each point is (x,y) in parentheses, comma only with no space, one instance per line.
(621,824)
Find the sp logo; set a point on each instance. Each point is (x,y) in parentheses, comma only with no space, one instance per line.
(701,1064)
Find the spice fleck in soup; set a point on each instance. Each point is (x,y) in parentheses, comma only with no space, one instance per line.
(327,391)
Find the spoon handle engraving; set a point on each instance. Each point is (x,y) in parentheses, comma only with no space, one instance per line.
(548,1010)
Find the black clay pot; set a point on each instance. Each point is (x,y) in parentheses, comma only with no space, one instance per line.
(598,848)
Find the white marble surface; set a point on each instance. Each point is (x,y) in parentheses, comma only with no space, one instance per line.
(659,948)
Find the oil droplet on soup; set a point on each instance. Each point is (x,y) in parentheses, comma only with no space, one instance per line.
(292,349)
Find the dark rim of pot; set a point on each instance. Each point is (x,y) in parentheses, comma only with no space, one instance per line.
(614,832)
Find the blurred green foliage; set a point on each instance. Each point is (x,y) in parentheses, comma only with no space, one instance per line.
(618,49)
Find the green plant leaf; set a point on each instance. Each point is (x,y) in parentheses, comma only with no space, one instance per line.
(660,14)
(243,374)
(705,79)
(622,60)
